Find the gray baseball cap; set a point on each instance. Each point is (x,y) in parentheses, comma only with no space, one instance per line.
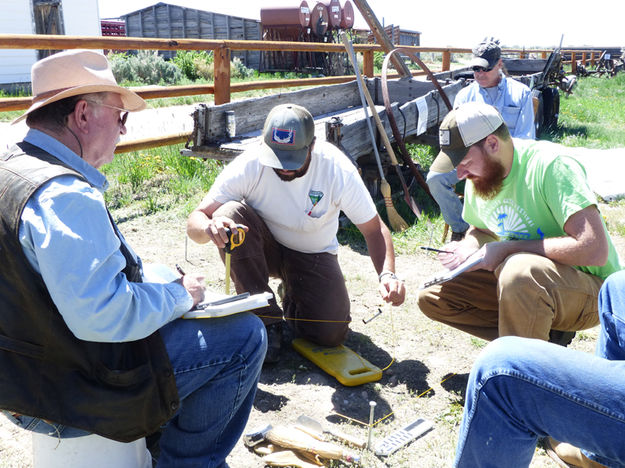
(462,128)
(288,132)
(486,54)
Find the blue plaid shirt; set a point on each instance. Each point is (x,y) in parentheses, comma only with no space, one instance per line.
(513,101)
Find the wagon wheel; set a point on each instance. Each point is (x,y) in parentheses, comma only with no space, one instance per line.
(391,117)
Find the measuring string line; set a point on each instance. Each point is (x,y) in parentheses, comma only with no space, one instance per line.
(392,412)
(394,341)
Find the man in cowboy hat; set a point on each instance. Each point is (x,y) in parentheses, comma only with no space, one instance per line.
(288,192)
(87,340)
(536,226)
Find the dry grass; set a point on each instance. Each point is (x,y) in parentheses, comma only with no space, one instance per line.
(427,378)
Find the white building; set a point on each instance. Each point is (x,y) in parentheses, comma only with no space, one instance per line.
(66,17)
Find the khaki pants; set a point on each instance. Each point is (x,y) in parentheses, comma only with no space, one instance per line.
(316,303)
(527,295)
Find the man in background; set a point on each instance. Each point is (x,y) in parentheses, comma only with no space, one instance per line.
(511,98)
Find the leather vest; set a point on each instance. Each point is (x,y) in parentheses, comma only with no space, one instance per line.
(122,391)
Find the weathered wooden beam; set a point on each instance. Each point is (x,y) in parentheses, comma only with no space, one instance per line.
(250,114)
(446,60)
(222,75)
(367,63)
(54,42)
(429,107)
(153,142)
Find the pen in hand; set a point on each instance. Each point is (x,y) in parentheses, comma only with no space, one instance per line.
(180,270)
(432,249)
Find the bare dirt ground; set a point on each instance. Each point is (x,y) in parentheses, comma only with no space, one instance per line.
(427,378)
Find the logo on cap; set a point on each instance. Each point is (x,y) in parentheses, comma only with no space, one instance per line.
(444,137)
(281,136)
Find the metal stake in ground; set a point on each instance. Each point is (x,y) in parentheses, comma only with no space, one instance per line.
(371,411)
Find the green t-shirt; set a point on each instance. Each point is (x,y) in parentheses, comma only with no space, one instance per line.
(543,189)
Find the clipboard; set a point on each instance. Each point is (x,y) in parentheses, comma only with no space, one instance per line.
(447,275)
(220,305)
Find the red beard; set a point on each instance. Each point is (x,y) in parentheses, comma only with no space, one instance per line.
(489,184)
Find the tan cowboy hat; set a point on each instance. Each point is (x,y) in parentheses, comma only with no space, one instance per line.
(74,72)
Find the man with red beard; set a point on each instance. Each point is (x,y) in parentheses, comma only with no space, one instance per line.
(510,97)
(535,224)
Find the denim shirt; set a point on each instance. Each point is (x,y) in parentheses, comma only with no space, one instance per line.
(67,237)
(513,101)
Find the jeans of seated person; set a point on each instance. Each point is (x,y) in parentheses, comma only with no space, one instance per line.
(44,427)
(441,186)
(521,390)
(216,364)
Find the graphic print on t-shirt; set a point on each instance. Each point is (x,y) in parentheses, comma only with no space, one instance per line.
(315,197)
(511,222)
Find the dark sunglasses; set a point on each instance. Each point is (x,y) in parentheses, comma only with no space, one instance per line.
(123,113)
(482,69)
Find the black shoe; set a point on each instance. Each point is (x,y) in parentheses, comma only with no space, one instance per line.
(562,338)
(274,343)
(457,236)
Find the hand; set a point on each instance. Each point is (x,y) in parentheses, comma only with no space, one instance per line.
(494,253)
(216,230)
(392,290)
(461,250)
(194,284)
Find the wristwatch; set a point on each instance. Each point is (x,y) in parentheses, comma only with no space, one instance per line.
(387,273)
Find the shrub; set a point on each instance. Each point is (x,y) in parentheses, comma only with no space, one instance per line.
(239,70)
(195,64)
(147,67)
(205,70)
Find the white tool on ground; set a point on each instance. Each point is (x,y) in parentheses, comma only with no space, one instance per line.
(402,436)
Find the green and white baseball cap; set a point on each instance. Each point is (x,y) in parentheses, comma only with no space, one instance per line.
(462,128)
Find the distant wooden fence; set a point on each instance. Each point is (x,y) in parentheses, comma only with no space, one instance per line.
(222,50)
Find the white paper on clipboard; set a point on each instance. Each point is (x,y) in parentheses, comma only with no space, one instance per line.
(450,274)
(206,310)
(422,112)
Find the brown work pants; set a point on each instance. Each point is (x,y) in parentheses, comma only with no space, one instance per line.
(315,302)
(527,295)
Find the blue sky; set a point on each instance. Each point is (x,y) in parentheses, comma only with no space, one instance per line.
(459,23)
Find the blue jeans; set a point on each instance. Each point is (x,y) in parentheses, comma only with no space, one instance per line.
(441,186)
(216,363)
(522,389)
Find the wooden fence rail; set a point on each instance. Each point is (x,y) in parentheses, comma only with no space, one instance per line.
(223,87)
